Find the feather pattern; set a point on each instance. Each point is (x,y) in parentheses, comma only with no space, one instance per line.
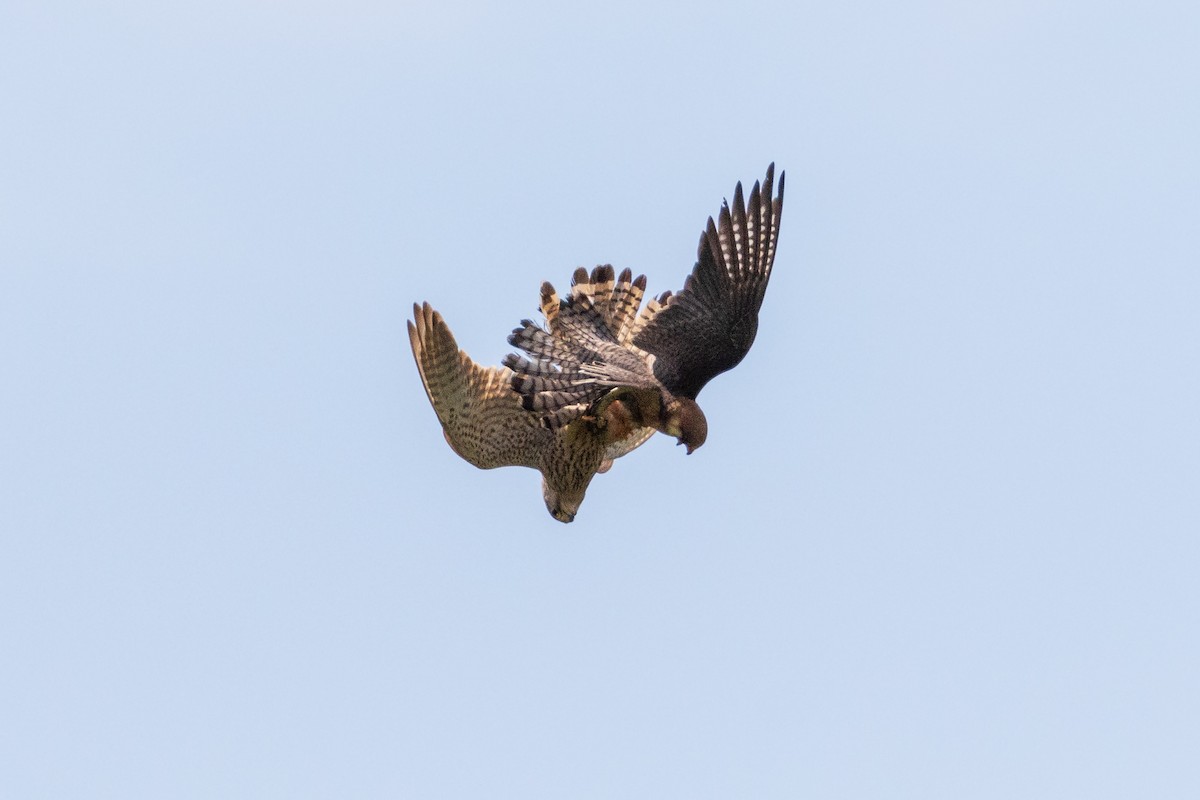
(605,373)
(580,356)
(480,413)
(709,326)
(484,420)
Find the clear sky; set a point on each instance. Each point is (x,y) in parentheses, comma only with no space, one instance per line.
(942,541)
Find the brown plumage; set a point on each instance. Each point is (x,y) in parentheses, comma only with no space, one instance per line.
(655,363)
(602,377)
(484,422)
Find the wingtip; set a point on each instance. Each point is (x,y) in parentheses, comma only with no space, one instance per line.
(424,318)
(769,183)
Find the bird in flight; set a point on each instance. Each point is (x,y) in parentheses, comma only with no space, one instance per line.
(606,373)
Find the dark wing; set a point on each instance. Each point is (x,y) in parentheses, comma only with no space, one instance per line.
(480,413)
(708,327)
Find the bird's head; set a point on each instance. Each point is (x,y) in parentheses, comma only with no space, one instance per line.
(562,505)
(685,421)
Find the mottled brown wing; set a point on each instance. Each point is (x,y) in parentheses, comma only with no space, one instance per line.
(708,327)
(480,413)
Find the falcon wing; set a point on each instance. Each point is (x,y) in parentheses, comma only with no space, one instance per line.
(480,413)
(708,327)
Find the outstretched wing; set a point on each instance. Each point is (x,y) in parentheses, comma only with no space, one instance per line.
(708,327)
(480,413)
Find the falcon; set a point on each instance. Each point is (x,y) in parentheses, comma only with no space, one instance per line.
(606,373)
(655,368)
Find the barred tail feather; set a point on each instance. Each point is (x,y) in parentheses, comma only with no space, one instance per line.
(540,344)
(649,312)
(540,366)
(533,384)
(545,387)
(626,300)
(564,416)
(597,290)
(549,304)
(581,322)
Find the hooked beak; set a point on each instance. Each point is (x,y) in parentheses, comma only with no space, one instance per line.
(689,450)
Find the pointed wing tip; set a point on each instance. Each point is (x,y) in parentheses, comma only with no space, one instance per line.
(421,311)
(424,318)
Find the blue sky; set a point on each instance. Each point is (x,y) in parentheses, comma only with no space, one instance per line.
(942,539)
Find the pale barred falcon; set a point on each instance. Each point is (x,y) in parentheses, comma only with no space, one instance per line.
(606,373)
